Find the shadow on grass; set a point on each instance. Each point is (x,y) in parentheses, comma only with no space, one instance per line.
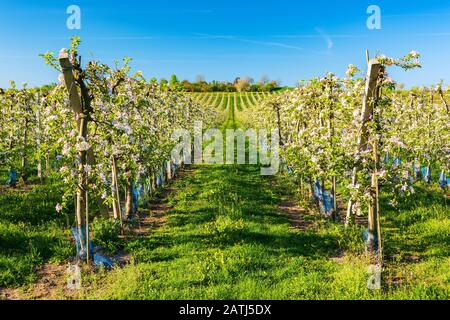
(418,227)
(237,192)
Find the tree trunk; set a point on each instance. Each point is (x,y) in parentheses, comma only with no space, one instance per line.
(301,186)
(169,170)
(47,164)
(115,191)
(38,142)
(374,241)
(350,217)
(154,185)
(129,199)
(333,192)
(150,185)
(24,152)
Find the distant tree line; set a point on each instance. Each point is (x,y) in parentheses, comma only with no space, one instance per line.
(245,84)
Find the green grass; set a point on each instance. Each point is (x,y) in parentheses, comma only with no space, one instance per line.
(225,101)
(226,239)
(222,240)
(241,100)
(238,101)
(31,233)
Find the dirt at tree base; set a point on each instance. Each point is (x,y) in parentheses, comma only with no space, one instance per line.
(296,215)
(51,285)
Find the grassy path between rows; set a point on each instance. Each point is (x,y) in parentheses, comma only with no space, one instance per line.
(233,234)
(229,236)
(224,239)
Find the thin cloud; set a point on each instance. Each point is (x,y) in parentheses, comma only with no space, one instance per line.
(272,44)
(417,15)
(171,60)
(326,38)
(433,34)
(114,38)
(258,42)
(211,36)
(316,36)
(17,57)
(200,11)
(124,38)
(360,36)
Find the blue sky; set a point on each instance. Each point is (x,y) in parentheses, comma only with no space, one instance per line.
(286,40)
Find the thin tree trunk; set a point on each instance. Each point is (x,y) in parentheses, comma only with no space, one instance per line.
(150,185)
(331,136)
(333,192)
(441,95)
(82,176)
(373,242)
(280,136)
(24,152)
(47,164)
(129,199)
(38,141)
(301,186)
(311,186)
(350,217)
(169,170)
(154,182)
(87,227)
(115,191)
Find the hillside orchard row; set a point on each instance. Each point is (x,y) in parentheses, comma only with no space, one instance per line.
(103,131)
(224,100)
(361,136)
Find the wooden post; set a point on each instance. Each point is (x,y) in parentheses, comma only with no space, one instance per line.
(371,95)
(81,113)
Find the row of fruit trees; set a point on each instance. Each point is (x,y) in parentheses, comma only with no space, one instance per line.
(104,131)
(356,136)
